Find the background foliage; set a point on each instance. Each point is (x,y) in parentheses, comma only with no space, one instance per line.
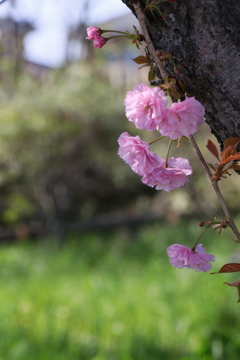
(115,296)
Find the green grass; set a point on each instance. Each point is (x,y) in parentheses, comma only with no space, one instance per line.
(116,297)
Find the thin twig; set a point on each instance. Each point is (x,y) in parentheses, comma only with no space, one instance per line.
(153,141)
(168,151)
(216,188)
(141,19)
(200,156)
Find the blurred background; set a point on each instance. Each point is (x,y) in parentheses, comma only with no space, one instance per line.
(83,267)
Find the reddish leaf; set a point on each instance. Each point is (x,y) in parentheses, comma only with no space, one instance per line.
(235,283)
(183,86)
(141,60)
(231,141)
(231,158)
(235,166)
(213,149)
(230,151)
(228,268)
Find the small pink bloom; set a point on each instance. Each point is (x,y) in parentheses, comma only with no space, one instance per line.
(182,118)
(181,256)
(94,33)
(99,42)
(145,106)
(136,153)
(171,177)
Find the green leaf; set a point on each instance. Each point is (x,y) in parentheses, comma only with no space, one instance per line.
(151,75)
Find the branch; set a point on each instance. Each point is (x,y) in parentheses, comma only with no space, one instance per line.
(216,188)
(141,19)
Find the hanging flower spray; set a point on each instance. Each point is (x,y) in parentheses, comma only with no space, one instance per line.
(147,108)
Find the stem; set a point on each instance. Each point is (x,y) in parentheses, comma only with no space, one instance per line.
(113,37)
(168,151)
(200,156)
(115,31)
(195,245)
(141,19)
(159,138)
(216,188)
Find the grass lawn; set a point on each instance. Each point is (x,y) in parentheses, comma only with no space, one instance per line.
(114,296)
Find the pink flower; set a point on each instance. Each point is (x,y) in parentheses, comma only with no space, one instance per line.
(94,33)
(136,153)
(182,118)
(181,256)
(145,106)
(171,177)
(99,42)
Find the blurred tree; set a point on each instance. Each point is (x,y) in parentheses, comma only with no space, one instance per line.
(204,39)
(58,146)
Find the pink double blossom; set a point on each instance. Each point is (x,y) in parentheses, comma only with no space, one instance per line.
(145,106)
(136,153)
(181,256)
(170,177)
(182,118)
(94,33)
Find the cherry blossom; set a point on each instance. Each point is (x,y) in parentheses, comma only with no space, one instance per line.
(94,33)
(136,153)
(182,118)
(182,256)
(145,106)
(170,177)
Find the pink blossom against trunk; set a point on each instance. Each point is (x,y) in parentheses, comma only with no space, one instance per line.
(136,153)
(182,118)
(171,177)
(145,106)
(181,256)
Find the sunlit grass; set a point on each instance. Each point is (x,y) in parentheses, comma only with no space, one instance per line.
(115,296)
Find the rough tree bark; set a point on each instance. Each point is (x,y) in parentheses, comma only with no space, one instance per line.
(204,39)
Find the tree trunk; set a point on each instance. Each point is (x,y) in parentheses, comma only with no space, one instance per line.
(204,39)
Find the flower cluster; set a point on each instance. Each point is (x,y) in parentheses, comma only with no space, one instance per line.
(147,108)
(94,33)
(136,153)
(170,177)
(181,256)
